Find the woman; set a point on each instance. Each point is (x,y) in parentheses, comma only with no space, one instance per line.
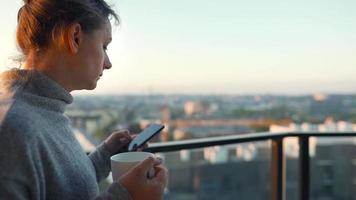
(64,45)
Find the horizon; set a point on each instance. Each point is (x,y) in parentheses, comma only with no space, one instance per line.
(228,48)
(215,95)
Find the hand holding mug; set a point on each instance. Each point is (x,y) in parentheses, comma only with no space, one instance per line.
(141,173)
(143,187)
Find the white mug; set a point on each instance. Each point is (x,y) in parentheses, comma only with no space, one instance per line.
(123,162)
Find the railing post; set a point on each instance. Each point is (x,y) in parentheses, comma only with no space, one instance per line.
(304,168)
(277,167)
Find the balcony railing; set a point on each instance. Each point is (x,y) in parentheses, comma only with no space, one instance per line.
(277,180)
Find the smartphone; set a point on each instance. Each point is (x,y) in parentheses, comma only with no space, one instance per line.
(145,136)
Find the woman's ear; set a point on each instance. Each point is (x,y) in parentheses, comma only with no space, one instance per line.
(74,37)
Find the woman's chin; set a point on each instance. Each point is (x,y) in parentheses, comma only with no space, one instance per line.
(87,86)
(91,86)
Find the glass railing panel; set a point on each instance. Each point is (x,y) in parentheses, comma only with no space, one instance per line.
(333,168)
(291,156)
(238,171)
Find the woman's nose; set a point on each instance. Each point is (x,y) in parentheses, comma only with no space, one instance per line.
(107,63)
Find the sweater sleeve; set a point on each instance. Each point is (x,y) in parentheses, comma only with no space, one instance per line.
(101,161)
(13,189)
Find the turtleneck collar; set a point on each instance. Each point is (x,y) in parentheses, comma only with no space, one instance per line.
(37,88)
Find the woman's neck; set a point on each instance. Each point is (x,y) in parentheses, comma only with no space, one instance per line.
(52,64)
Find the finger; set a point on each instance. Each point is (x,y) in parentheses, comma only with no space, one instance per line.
(158,161)
(161,175)
(145,165)
(119,140)
(122,131)
(133,136)
(124,138)
(159,168)
(145,146)
(153,171)
(121,135)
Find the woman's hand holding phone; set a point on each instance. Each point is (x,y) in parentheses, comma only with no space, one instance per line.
(142,138)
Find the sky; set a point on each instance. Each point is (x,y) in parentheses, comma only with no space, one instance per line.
(222,47)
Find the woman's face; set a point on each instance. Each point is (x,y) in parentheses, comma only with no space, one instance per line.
(92,56)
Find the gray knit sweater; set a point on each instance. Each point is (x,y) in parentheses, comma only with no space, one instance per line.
(39,155)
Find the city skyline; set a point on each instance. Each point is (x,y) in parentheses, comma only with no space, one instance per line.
(229,47)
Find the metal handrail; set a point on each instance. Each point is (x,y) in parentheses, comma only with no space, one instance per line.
(277,162)
(233,139)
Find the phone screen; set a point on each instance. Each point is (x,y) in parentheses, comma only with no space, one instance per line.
(145,136)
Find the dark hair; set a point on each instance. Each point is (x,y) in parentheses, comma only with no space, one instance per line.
(41,22)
